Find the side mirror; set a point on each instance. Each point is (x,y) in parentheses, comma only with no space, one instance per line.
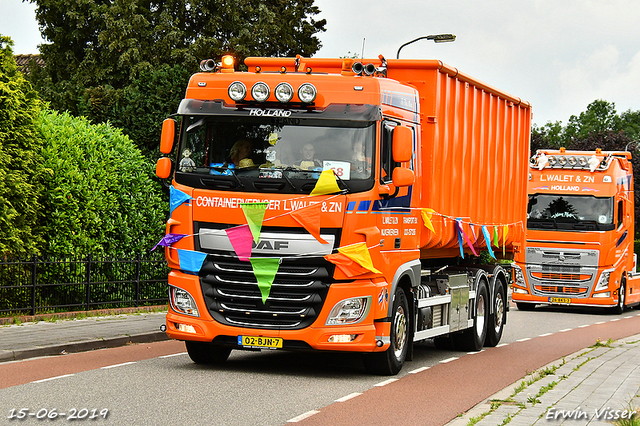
(403,177)
(163,167)
(402,144)
(168,133)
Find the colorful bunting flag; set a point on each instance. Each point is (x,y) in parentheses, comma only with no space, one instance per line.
(265,269)
(505,231)
(254,213)
(495,237)
(346,265)
(487,239)
(326,184)
(460,243)
(241,240)
(176,198)
(359,253)
(426,218)
(473,250)
(191,260)
(309,218)
(169,239)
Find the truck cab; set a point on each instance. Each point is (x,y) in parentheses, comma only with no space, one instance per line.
(580,232)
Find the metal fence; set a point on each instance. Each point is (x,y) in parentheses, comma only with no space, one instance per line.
(40,285)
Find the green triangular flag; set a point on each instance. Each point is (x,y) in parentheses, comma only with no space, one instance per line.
(254,213)
(495,236)
(265,269)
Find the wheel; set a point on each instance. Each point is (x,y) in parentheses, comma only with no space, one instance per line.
(390,362)
(622,297)
(525,306)
(472,339)
(207,353)
(499,316)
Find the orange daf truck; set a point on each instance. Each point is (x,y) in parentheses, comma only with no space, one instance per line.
(580,233)
(374,183)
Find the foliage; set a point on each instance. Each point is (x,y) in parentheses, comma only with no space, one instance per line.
(104,55)
(99,195)
(20,164)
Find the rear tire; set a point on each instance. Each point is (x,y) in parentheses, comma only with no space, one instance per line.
(207,353)
(499,316)
(472,339)
(390,362)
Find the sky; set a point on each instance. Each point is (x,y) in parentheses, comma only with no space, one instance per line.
(559,55)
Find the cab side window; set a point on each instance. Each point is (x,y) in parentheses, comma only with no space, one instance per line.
(620,213)
(386,158)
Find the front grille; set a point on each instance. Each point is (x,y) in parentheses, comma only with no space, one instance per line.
(553,289)
(561,276)
(297,294)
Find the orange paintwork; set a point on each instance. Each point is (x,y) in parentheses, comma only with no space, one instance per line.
(615,247)
(470,162)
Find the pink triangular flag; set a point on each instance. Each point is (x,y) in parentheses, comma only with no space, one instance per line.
(241,240)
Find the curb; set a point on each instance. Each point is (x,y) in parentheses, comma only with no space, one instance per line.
(113,342)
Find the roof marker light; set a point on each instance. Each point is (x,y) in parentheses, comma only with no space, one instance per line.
(227,61)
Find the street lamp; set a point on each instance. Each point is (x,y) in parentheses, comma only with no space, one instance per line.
(437,38)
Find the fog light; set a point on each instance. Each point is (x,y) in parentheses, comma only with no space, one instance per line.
(600,295)
(519,290)
(185,328)
(349,311)
(182,302)
(342,338)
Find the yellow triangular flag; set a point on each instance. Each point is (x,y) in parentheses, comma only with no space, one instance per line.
(359,253)
(326,184)
(254,213)
(426,218)
(505,231)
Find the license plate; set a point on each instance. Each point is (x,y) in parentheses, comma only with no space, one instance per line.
(560,300)
(260,342)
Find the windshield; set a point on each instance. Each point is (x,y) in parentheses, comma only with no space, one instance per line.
(234,152)
(570,212)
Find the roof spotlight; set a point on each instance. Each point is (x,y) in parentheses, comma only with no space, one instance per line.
(284,92)
(260,91)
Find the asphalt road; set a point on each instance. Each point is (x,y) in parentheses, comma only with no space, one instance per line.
(152,384)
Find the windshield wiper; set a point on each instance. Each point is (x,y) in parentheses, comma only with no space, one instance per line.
(223,170)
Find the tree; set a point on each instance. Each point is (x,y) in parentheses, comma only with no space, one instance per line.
(600,116)
(20,163)
(99,195)
(100,51)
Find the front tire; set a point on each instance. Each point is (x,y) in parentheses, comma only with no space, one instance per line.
(207,353)
(390,362)
(622,298)
(499,316)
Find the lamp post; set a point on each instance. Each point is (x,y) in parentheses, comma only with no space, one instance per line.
(437,38)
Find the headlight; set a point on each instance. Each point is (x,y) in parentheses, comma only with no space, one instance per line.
(237,91)
(349,311)
(603,282)
(518,276)
(284,92)
(307,93)
(260,91)
(182,302)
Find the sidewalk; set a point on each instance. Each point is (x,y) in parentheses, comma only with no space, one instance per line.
(34,339)
(597,385)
